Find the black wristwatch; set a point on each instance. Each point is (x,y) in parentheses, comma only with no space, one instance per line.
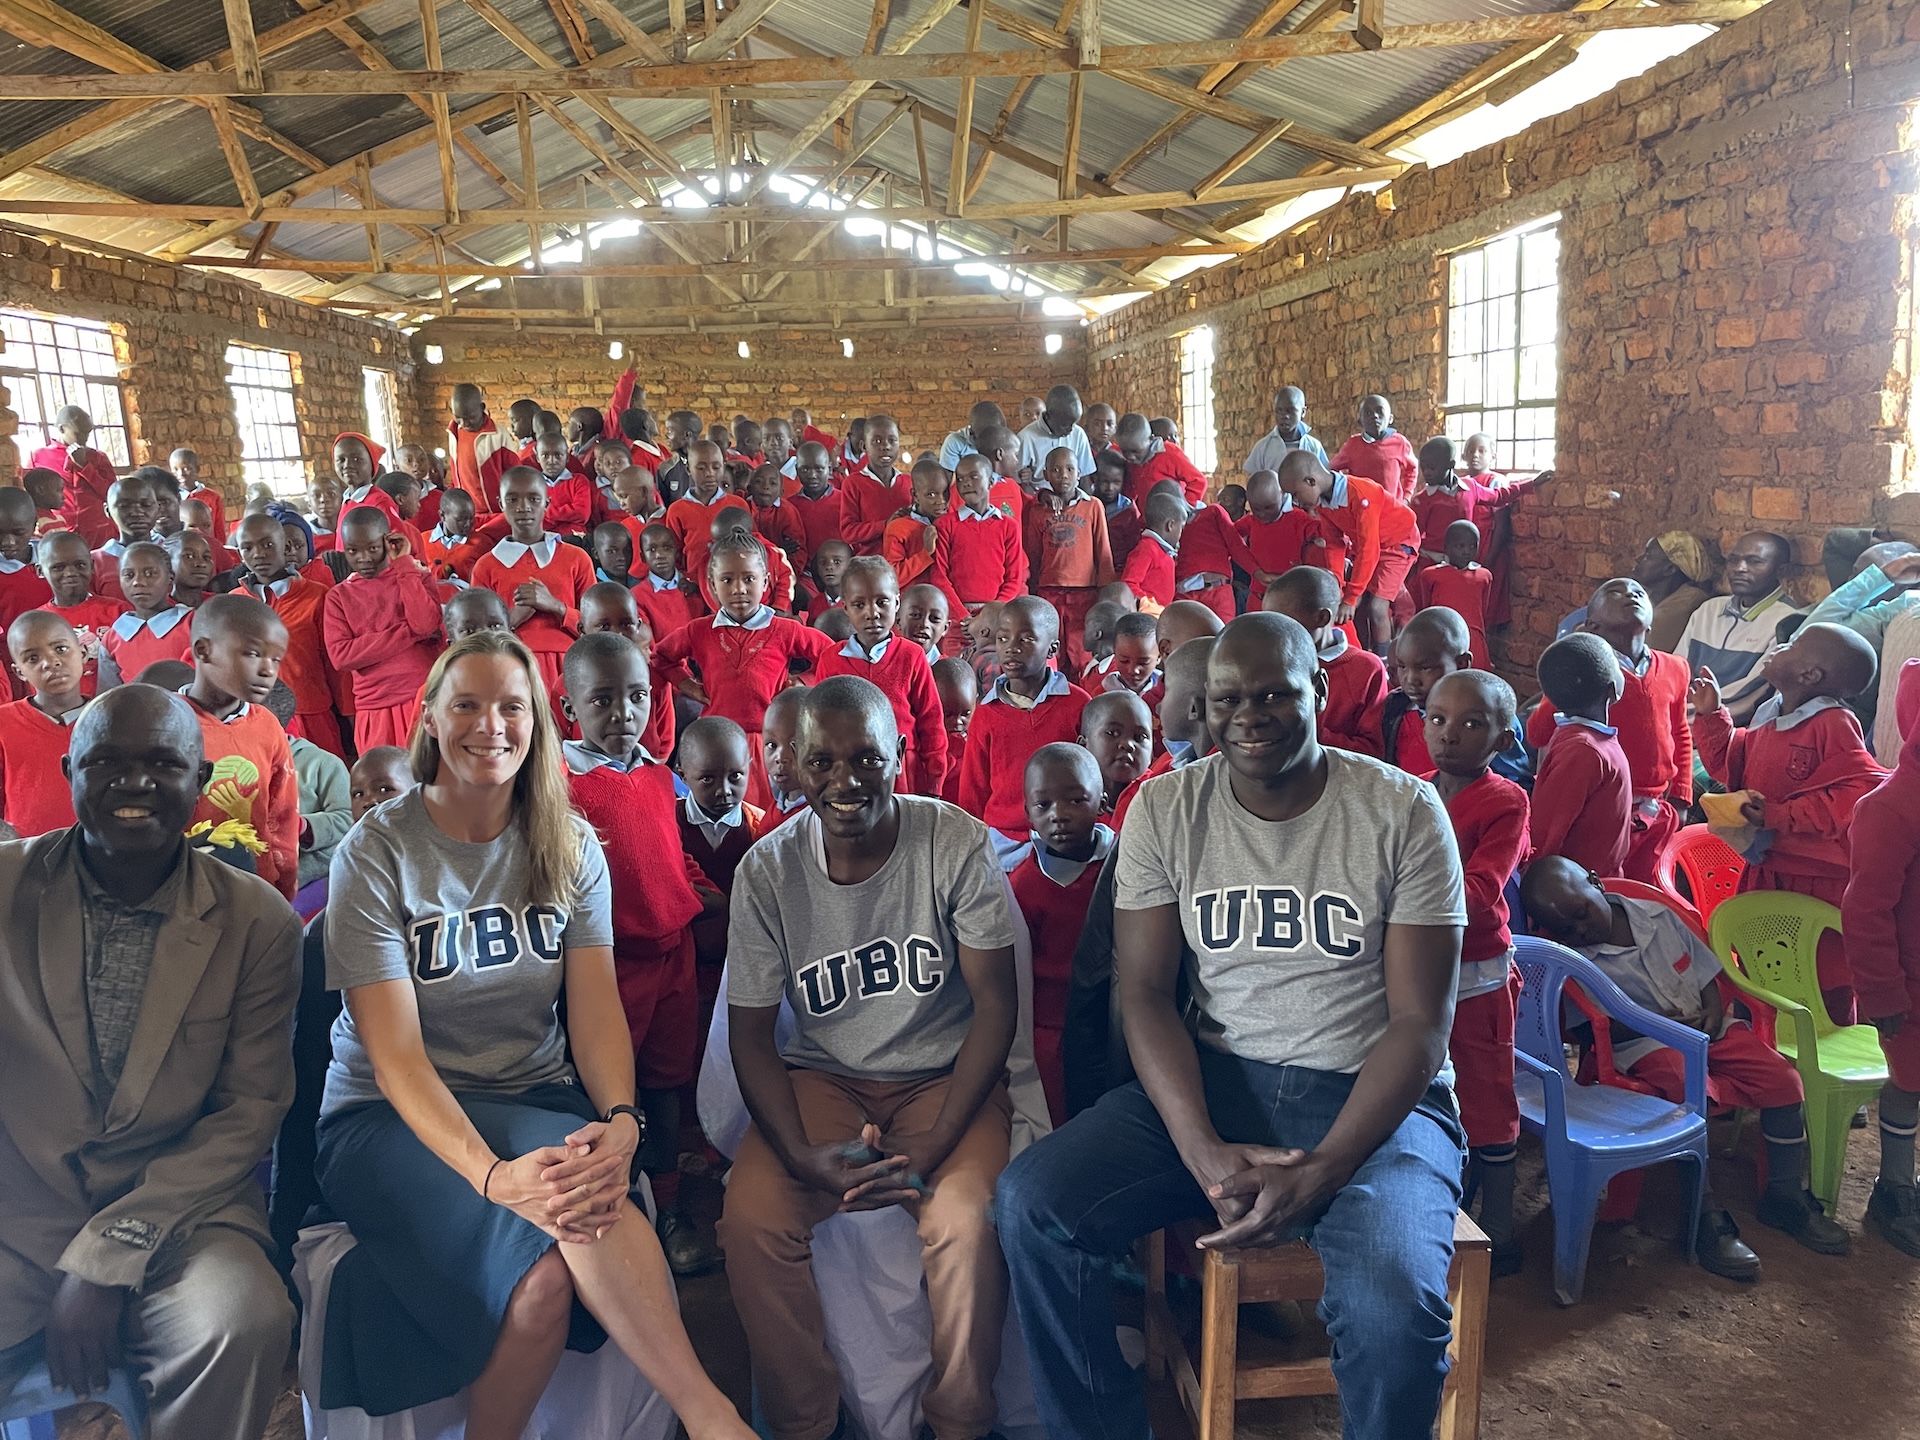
(638,1119)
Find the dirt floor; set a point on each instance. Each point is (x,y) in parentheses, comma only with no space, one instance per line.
(1819,1349)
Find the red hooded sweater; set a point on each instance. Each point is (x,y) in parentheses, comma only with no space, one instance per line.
(1881,912)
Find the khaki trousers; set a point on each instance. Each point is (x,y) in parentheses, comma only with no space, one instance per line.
(767,1229)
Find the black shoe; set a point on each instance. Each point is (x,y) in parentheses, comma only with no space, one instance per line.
(1894,1210)
(1801,1217)
(1509,1258)
(1859,1121)
(688,1253)
(1721,1251)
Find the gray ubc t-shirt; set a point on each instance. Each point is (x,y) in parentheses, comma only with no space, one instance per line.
(1285,919)
(407,900)
(871,970)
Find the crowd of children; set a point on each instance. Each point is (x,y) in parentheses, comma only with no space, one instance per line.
(1038,605)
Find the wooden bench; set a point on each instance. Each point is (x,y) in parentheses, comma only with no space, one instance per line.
(1232,1278)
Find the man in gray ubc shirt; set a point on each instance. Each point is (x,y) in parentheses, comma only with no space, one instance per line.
(882,919)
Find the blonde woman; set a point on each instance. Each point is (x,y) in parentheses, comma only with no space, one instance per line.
(484,1174)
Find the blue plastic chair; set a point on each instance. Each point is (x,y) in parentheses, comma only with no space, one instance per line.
(1594,1132)
(28,1404)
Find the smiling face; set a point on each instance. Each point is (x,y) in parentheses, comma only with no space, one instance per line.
(482,718)
(136,768)
(923,616)
(185,466)
(848,762)
(610,698)
(776,443)
(352,465)
(67,565)
(1261,707)
(47,655)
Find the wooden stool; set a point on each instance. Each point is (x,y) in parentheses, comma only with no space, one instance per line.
(1232,1278)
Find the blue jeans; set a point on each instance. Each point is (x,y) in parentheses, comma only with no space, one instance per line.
(1069,1207)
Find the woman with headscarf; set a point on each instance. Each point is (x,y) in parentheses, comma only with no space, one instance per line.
(1676,570)
(356,462)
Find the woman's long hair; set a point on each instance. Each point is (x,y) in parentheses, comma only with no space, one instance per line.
(541,807)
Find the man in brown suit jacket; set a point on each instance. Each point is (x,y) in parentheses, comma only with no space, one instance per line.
(146,994)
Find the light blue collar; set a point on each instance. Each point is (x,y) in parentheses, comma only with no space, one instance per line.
(852,650)
(759,620)
(1559,719)
(582,759)
(1769,712)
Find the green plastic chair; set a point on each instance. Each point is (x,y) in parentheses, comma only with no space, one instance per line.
(1767,940)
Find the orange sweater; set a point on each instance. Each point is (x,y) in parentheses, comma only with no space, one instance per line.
(253,782)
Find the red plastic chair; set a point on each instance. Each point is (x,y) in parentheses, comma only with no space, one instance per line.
(1712,868)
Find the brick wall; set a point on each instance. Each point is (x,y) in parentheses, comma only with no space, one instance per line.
(172,327)
(926,378)
(1736,327)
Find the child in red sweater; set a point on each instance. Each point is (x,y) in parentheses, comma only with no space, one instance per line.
(67,565)
(540,577)
(574,502)
(238,644)
(21,586)
(608,609)
(690,518)
(1210,547)
(1379,452)
(978,554)
(1067,548)
(382,629)
(44,488)
(134,509)
(959,692)
(1282,537)
(628,797)
(34,733)
(85,474)
(1053,878)
(781,587)
(744,653)
(1379,535)
(1117,729)
(1108,484)
(907,543)
(1433,644)
(1134,665)
(871,598)
(1650,716)
(1463,586)
(1800,767)
(154,627)
(1032,704)
(1469,715)
(775,521)
(924,619)
(271,579)
(668,600)
(1356,679)
(1446,495)
(872,492)
(717,826)
(1583,796)
(1150,569)
(817,503)
(185,465)
(1152,461)
(1880,914)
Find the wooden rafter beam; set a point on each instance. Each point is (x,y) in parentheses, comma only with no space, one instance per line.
(609,14)
(730,32)
(243,42)
(1240,157)
(1370,25)
(1135,65)
(573,26)
(236,155)
(963,120)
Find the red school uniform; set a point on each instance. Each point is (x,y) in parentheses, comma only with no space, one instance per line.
(216,506)
(1465,592)
(1053,894)
(106,568)
(299,603)
(632,811)
(33,797)
(254,782)
(780,584)
(1435,510)
(1356,693)
(1210,545)
(977,558)
(564,569)
(374,496)
(476,459)
(1168,462)
(85,477)
(907,545)
(21,589)
(1002,738)
(575,504)
(691,521)
(819,520)
(666,607)
(1388,462)
(867,503)
(1880,910)
(906,679)
(383,633)
(717,861)
(90,619)
(1583,798)
(780,527)
(1380,533)
(132,644)
(1123,530)
(1149,572)
(1489,818)
(1294,537)
(742,667)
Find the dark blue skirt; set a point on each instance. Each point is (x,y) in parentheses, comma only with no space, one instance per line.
(416,1305)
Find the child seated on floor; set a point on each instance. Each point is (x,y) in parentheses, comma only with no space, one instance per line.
(1053,878)
(1183,718)
(979,652)
(627,796)
(470,612)
(1650,952)
(1583,796)
(1799,769)
(1135,663)
(1117,730)
(1469,715)
(1356,679)
(959,693)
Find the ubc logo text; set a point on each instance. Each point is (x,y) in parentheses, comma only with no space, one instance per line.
(484,938)
(1278,918)
(879,967)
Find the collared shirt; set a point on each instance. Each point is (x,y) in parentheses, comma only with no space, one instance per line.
(967,512)
(1273,447)
(115,547)
(129,625)
(1769,712)
(1114,684)
(441,537)
(1037,442)
(119,940)
(1665,968)
(1057,684)
(1332,652)
(787,804)
(1161,540)
(1180,753)
(715,829)
(1730,639)
(759,620)
(278,587)
(1121,504)
(511,552)
(1055,866)
(671,582)
(356,497)
(854,651)
(1559,719)
(239,712)
(12,567)
(583,759)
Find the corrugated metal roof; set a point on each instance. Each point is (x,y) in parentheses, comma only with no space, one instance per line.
(171,155)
